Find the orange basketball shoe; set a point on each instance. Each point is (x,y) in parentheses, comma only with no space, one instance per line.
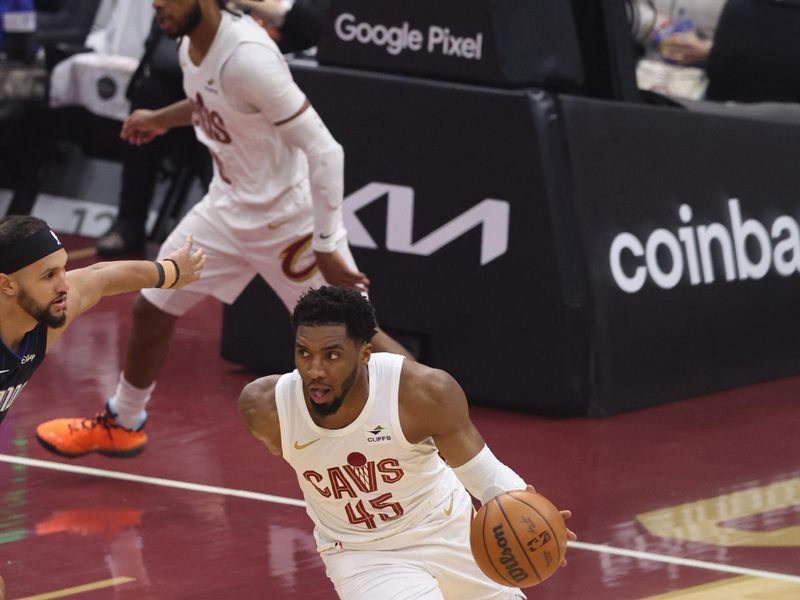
(101,434)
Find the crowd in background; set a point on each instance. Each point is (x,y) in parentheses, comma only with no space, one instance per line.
(674,45)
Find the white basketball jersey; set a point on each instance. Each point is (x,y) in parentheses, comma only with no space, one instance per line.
(364,482)
(252,164)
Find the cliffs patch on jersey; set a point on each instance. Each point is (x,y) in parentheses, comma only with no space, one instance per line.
(377,434)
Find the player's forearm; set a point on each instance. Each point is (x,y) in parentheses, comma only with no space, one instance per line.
(119,277)
(325,173)
(178,114)
(326,178)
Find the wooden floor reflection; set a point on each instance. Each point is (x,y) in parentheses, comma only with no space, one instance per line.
(696,499)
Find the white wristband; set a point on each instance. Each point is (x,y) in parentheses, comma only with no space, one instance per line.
(484,476)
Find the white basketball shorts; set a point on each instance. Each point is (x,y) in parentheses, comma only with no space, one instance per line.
(432,561)
(241,241)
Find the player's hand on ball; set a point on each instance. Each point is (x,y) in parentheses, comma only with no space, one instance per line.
(190,262)
(566,514)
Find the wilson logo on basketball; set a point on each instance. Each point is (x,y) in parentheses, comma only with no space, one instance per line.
(209,121)
(507,558)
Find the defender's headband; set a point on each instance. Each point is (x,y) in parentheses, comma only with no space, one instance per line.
(28,251)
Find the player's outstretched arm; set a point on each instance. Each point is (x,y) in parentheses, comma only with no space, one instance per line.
(260,412)
(89,284)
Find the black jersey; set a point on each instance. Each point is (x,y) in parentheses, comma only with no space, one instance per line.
(17,369)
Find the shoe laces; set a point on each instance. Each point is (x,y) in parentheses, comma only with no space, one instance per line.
(101,419)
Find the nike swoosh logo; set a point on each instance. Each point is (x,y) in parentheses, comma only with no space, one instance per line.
(299,446)
(325,237)
(449,508)
(5,371)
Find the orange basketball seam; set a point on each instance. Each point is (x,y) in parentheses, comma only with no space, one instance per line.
(516,537)
(555,537)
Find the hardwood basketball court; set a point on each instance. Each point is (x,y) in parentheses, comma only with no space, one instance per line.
(693,500)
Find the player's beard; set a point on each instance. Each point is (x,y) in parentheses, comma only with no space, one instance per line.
(191,21)
(326,410)
(41,314)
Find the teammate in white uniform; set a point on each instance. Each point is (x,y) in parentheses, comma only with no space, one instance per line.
(273,206)
(363,432)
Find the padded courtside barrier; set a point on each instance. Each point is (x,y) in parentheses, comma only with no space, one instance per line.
(690,224)
(560,255)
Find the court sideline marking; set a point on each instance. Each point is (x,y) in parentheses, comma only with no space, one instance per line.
(182,485)
(212,489)
(89,587)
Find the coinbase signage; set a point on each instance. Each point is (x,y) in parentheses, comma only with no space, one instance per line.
(744,249)
(689,225)
(502,42)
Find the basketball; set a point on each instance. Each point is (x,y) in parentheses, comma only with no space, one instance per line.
(518,538)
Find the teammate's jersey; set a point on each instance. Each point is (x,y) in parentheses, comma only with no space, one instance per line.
(17,369)
(252,164)
(364,482)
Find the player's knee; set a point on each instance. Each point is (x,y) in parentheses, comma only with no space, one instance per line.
(148,315)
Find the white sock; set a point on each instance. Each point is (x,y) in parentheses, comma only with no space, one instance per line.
(128,403)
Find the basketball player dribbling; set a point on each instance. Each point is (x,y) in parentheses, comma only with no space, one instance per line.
(364,432)
(273,207)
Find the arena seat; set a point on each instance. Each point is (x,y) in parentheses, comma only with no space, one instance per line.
(756,52)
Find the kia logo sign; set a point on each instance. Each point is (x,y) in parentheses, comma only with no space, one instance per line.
(490,214)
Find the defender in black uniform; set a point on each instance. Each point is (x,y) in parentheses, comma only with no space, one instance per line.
(39,298)
(16,368)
